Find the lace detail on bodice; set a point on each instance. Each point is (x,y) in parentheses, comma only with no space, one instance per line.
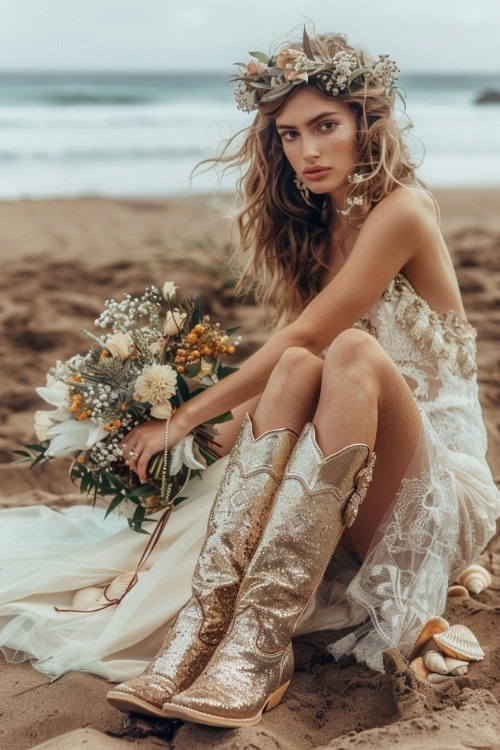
(444,335)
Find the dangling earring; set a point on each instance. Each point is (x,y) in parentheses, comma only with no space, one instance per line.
(304,191)
(355,178)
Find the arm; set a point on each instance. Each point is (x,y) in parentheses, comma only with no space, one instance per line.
(394,232)
(391,234)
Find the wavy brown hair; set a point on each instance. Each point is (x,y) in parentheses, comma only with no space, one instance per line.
(284,244)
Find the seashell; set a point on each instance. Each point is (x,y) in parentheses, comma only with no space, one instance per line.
(419,668)
(118,586)
(456,667)
(459,642)
(88,598)
(433,626)
(457,590)
(434,661)
(435,678)
(475,578)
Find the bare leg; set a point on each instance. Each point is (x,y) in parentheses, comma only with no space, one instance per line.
(365,399)
(291,394)
(289,399)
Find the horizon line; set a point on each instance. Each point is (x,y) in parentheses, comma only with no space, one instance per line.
(214,71)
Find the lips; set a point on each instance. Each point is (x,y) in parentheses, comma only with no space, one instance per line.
(316,173)
(315,168)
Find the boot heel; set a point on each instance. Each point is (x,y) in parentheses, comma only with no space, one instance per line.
(276,697)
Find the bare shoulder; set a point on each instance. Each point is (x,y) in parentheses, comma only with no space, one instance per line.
(410,203)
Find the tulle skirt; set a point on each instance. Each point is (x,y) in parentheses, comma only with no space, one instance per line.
(440,519)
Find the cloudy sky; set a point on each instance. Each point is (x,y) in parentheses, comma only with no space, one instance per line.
(421,35)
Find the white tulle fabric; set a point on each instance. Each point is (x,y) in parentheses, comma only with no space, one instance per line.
(440,519)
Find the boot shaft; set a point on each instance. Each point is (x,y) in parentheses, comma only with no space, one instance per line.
(303,530)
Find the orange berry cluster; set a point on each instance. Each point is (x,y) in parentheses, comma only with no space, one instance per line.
(114,424)
(201,341)
(76,406)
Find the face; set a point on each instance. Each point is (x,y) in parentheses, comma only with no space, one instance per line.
(319,132)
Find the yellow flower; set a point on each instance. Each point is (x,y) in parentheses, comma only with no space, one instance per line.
(156,384)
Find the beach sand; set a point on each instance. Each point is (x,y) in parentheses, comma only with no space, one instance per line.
(61,259)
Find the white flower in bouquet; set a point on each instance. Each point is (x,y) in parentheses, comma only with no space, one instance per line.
(187,453)
(174,322)
(156,347)
(156,384)
(73,435)
(120,345)
(43,420)
(168,290)
(162,411)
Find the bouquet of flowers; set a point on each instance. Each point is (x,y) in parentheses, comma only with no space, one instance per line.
(160,353)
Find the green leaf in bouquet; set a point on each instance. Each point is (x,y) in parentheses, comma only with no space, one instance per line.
(37,447)
(40,457)
(23,453)
(86,482)
(183,387)
(230,331)
(135,522)
(137,527)
(193,369)
(226,417)
(115,502)
(117,484)
(195,317)
(175,401)
(145,489)
(225,370)
(209,456)
(179,500)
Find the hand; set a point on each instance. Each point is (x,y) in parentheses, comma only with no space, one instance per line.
(149,438)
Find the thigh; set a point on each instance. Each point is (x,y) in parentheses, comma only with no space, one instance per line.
(399,427)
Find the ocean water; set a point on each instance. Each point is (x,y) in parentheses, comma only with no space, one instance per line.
(123,134)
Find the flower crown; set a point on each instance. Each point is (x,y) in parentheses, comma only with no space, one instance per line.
(267,78)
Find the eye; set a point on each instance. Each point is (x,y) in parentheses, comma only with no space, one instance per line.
(328,122)
(289,132)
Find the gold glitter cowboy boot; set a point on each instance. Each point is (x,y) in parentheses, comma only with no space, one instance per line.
(253,664)
(238,516)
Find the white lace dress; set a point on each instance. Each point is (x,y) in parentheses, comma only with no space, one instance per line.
(445,509)
(440,519)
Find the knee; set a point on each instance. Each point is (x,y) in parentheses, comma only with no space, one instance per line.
(297,362)
(356,352)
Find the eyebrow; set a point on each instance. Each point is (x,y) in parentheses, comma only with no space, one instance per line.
(311,122)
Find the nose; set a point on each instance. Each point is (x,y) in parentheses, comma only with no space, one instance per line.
(310,149)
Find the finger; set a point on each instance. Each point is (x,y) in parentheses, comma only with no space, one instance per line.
(142,464)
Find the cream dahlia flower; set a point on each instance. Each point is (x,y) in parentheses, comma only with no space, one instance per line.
(156,384)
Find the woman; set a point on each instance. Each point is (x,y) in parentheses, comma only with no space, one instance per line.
(353,483)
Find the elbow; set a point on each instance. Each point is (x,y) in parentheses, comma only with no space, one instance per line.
(294,335)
